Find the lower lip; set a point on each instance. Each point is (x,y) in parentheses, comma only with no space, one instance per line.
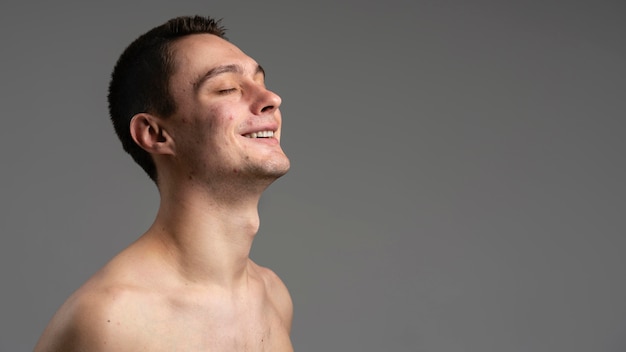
(263,140)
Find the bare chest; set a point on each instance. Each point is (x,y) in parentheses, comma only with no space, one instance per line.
(216,328)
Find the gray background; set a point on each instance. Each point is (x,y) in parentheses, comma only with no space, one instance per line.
(457,176)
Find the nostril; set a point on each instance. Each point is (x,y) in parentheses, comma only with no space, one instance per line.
(267,108)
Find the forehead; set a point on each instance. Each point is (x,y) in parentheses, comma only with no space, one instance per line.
(196,53)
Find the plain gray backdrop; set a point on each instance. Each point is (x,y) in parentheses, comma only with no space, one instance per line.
(457,177)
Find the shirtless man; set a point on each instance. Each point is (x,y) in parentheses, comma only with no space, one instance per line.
(193,110)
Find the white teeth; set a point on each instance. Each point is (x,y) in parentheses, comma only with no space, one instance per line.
(260,134)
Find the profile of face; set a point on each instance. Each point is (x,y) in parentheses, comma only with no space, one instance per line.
(226,123)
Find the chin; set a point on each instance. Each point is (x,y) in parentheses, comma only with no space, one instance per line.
(279,169)
(274,169)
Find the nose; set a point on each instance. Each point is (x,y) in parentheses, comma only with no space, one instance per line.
(266,101)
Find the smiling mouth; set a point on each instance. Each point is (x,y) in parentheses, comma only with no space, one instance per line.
(260,134)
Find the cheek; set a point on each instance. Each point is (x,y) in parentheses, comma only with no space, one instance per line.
(215,128)
(221,117)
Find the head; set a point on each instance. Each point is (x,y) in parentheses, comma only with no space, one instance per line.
(140,82)
(225,134)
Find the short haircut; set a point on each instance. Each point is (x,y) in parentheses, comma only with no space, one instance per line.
(140,80)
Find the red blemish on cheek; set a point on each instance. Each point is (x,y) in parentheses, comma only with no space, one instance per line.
(235,171)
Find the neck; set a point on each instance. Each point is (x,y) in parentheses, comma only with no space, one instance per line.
(207,237)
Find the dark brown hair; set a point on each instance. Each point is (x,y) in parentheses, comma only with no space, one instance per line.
(140,79)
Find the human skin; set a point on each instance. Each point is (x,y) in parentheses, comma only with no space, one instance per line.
(188,283)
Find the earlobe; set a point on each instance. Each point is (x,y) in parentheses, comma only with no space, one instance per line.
(150,135)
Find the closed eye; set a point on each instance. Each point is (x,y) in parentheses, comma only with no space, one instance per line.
(226,91)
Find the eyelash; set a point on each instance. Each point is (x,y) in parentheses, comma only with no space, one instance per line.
(226,91)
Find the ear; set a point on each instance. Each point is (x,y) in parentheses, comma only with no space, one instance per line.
(148,133)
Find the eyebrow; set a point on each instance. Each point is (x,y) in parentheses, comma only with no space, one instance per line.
(216,71)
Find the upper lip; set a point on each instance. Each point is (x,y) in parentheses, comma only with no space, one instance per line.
(272,127)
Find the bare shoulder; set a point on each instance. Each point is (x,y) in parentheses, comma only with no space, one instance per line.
(104,314)
(94,319)
(278,294)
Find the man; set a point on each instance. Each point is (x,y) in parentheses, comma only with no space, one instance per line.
(193,110)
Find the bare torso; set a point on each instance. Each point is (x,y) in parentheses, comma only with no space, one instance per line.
(138,303)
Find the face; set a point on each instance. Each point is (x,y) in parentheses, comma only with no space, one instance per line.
(227,123)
